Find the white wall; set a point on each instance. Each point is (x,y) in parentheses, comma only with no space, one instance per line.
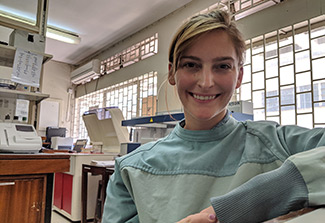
(56,82)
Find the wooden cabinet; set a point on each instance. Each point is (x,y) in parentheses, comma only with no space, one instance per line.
(17,195)
(26,184)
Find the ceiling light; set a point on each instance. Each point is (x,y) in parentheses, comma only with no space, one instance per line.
(51,31)
(62,36)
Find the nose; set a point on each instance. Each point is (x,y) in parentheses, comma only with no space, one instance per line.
(206,78)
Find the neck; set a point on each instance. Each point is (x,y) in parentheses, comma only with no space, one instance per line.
(196,124)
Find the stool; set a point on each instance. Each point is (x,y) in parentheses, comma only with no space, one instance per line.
(105,172)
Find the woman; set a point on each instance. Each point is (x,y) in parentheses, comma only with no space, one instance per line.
(233,171)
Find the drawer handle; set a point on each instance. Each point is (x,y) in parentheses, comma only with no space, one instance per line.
(7,184)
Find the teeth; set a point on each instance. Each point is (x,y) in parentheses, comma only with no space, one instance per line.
(203,98)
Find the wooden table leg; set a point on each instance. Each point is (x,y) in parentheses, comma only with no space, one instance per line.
(84,189)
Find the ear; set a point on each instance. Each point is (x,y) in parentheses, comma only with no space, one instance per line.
(171,74)
(240,77)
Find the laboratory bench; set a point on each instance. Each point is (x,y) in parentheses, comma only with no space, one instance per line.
(26,185)
(68,187)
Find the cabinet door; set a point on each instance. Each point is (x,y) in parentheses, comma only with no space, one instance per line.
(22,199)
(67,192)
(58,188)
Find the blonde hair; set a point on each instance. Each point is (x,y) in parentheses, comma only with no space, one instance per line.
(200,24)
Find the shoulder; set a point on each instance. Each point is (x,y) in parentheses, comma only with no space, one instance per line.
(147,155)
(261,125)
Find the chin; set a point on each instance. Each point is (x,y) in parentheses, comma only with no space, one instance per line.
(208,116)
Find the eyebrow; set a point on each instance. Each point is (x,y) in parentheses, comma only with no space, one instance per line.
(217,59)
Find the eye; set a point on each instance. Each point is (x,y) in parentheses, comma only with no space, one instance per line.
(225,66)
(190,65)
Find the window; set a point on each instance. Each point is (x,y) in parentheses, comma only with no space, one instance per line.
(135,97)
(139,51)
(284,75)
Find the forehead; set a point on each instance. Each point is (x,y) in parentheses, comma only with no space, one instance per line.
(216,43)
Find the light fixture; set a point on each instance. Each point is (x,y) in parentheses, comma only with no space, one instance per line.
(63,36)
(51,31)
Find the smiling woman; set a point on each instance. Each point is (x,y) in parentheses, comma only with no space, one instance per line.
(208,73)
(211,167)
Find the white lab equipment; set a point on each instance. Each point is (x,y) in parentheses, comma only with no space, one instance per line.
(65,143)
(105,128)
(19,138)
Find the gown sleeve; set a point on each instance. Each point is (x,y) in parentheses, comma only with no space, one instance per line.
(119,205)
(298,183)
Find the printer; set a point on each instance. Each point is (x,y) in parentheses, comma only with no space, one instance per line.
(19,138)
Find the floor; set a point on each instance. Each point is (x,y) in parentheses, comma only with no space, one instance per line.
(58,218)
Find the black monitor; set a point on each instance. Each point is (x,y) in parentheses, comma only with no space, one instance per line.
(54,131)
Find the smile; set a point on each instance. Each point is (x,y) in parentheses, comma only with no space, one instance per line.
(204,98)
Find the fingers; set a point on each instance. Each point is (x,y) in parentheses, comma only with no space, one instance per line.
(199,218)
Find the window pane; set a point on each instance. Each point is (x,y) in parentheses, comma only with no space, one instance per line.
(274,119)
(245,92)
(258,99)
(271,50)
(259,114)
(272,106)
(319,112)
(304,103)
(285,35)
(318,47)
(301,41)
(272,86)
(317,31)
(318,69)
(302,61)
(305,120)
(257,45)
(287,75)
(258,80)
(258,62)
(288,115)
(303,82)
(287,95)
(286,55)
(247,74)
(319,90)
(248,56)
(271,68)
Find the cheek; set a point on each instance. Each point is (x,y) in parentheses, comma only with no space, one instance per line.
(183,81)
(227,84)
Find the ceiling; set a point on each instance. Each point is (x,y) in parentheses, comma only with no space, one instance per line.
(99,23)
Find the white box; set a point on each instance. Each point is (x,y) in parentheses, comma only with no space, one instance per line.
(245,107)
(28,41)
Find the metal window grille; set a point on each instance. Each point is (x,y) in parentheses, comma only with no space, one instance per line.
(284,75)
(135,97)
(131,55)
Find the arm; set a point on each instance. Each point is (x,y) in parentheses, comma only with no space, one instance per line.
(298,183)
(119,205)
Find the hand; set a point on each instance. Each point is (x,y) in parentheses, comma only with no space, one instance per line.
(205,216)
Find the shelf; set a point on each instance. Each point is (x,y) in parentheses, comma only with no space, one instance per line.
(161,121)
(7,93)
(7,55)
(152,121)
